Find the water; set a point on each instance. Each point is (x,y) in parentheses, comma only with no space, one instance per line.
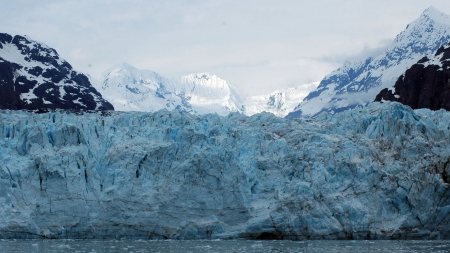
(240,246)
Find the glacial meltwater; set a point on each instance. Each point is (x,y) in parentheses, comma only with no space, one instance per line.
(99,246)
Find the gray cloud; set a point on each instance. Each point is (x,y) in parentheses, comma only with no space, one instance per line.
(366,52)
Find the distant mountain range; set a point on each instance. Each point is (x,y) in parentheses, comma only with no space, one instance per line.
(132,89)
(33,76)
(358,83)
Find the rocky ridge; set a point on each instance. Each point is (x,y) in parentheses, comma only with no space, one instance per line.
(33,76)
(425,84)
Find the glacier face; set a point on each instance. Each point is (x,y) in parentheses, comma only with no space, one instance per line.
(375,172)
(358,83)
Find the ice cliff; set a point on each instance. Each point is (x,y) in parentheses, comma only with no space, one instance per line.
(375,172)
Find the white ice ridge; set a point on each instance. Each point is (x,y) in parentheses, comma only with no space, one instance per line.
(375,172)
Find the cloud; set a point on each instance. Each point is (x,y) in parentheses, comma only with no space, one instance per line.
(258,45)
(366,52)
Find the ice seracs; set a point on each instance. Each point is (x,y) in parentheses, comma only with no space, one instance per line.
(358,83)
(377,172)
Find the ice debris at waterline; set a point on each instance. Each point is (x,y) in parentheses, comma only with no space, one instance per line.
(378,172)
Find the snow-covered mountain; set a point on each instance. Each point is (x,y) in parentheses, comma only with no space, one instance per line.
(378,172)
(358,83)
(132,89)
(280,102)
(33,76)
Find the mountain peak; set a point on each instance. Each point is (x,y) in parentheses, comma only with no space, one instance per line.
(123,65)
(431,13)
(360,82)
(205,79)
(132,89)
(203,76)
(34,77)
(128,70)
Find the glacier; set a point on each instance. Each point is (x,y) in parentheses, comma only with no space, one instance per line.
(376,172)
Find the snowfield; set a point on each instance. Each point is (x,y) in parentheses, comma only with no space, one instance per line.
(375,172)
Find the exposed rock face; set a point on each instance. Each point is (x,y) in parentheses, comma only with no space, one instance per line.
(33,76)
(380,172)
(424,85)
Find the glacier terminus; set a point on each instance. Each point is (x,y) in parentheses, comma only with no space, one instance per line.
(375,172)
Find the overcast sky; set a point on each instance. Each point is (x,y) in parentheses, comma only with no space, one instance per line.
(256,45)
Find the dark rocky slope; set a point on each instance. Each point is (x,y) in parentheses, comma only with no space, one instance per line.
(425,84)
(33,76)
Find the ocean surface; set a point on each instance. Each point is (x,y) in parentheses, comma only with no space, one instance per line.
(236,246)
